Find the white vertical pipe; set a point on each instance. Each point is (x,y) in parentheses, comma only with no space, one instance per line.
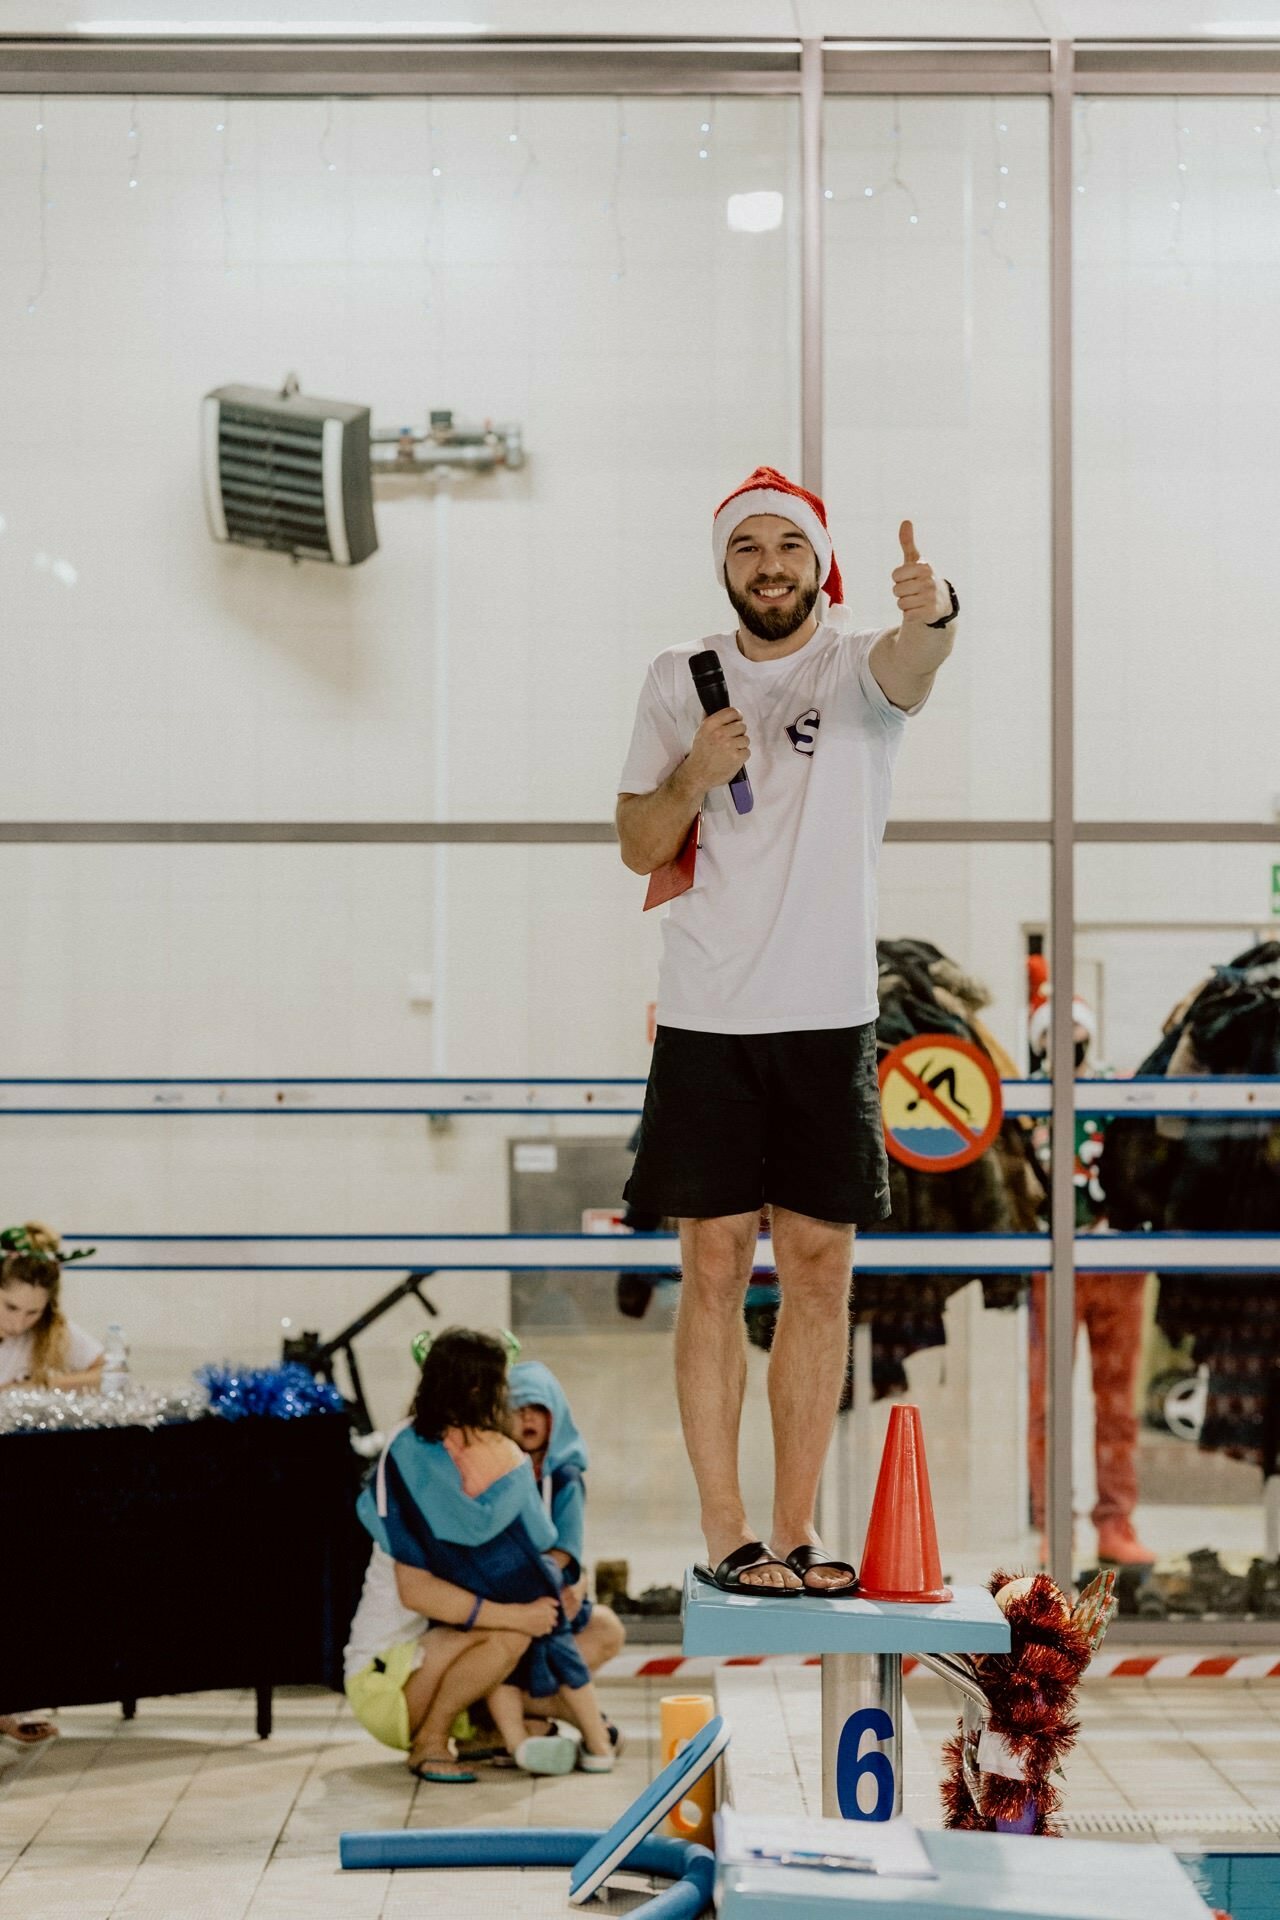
(1060,1329)
(1271,1516)
(440,717)
(862,1434)
(811,317)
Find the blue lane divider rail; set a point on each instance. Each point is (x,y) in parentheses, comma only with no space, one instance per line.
(656,1252)
(1218,1097)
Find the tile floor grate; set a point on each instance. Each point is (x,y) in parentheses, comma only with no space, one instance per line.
(1151,1824)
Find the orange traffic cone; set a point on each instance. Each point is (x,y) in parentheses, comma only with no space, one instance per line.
(900,1559)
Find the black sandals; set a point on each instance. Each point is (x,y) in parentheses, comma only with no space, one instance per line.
(803,1558)
(745,1559)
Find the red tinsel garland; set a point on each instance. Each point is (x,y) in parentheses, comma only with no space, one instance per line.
(1031,1691)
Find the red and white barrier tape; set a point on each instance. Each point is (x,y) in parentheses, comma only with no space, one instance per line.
(649,1665)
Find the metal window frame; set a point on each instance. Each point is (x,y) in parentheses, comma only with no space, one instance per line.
(1063,70)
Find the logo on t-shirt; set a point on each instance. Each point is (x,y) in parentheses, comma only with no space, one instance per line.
(803,731)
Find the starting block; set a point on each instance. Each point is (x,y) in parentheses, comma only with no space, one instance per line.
(861,1643)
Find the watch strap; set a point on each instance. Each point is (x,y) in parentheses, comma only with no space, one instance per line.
(955,608)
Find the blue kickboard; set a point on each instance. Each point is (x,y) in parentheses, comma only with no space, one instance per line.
(642,1816)
(1008,1876)
(747,1624)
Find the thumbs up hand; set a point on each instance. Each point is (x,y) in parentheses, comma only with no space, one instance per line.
(921,597)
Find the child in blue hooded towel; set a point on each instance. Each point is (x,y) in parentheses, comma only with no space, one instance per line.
(456,1497)
(545,1428)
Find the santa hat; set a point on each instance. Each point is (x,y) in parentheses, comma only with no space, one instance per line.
(768,491)
(1038,1025)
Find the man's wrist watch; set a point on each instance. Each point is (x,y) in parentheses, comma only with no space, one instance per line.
(955,608)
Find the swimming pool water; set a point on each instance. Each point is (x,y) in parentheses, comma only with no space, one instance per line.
(1245,1885)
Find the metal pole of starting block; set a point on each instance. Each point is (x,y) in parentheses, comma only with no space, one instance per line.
(861,1735)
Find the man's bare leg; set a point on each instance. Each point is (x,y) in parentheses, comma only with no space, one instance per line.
(806,1372)
(711,1376)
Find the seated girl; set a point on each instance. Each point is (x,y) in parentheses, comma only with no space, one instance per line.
(406,1679)
(455,1497)
(39,1346)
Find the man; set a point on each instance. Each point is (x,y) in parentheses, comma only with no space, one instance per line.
(763,1085)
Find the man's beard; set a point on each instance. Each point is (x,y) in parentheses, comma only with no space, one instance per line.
(768,623)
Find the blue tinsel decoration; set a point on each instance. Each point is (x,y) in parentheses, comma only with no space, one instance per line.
(276,1393)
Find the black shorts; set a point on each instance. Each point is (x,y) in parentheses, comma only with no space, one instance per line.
(734,1120)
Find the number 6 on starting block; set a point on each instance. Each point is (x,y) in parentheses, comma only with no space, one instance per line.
(853,1765)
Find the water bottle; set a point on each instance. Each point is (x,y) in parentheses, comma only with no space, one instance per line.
(115,1366)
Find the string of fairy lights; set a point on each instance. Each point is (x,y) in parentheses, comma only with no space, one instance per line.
(612,205)
(887,182)
(43,203)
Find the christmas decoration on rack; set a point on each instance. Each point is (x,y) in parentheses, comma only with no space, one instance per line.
(222,127)
(999,1761)
(611,204)
(275,1393)
(517,137)
(135,143)
(893,182)
(44,203)
(327,160)
(53,1410)
(1000,128)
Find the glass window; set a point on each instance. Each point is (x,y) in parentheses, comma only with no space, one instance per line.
(937,411)
(1176,1388)
(1177,271)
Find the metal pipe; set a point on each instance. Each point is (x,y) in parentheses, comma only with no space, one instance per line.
(1060,1344)
(811,316)
(430,458)
(441,791)
(958,1670)
(597,832)
(305,66)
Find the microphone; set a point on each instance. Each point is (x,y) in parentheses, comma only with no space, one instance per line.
(708,681)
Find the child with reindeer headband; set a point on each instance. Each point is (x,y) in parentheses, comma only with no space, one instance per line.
(39,1346)
(461,1533)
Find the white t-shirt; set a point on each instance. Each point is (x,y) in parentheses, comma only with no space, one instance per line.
(382,1620)
(16,1348)
(778,931)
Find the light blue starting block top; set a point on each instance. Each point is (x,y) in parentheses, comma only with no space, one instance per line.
(747,1624)
(1011,1876)
(861,1643)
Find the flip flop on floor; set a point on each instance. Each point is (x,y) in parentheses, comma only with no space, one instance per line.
(434,1771)
(805,1557)
(746,1559)
(26,1733)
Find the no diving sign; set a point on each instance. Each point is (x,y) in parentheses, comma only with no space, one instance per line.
(941,1101)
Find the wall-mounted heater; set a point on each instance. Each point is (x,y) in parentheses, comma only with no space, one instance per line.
(291,474)
(288,473)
